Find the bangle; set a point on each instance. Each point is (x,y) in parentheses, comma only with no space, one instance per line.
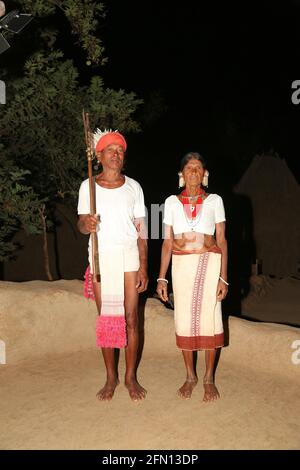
(224,281)
(162,279)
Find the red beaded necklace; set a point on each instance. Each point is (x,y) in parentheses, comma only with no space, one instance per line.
(191,209)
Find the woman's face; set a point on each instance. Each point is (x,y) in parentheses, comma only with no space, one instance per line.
(193,172)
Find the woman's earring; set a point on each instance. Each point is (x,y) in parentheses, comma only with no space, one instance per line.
(181,182)
(205,178)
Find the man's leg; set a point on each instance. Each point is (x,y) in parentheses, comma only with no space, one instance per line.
(210,390)
(191,378)
(106,393)
(136,391)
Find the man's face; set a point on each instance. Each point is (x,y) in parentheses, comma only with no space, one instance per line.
(112,157)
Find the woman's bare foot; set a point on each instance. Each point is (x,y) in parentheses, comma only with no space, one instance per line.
(135,390)
(210,390)
(107,392)
(187,388)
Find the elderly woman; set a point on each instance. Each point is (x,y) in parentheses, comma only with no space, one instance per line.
(199,270)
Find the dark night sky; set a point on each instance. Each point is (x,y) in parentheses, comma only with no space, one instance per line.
(225,76)
(226,79)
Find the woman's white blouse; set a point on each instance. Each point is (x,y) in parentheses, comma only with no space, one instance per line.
(211,213)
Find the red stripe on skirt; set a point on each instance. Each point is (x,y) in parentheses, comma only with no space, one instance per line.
(192,343)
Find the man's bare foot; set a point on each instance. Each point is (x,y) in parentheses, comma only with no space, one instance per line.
(187,388)
(107,392)
(210,390)
(136,391)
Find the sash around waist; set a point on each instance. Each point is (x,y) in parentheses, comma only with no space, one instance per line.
(213,249)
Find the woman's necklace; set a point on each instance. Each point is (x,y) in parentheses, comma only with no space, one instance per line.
(192,206)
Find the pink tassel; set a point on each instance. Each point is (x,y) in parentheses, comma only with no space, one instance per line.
(111,332)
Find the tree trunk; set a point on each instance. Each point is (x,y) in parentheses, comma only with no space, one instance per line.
(45,244)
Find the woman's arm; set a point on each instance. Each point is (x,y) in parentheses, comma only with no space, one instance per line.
(222,244)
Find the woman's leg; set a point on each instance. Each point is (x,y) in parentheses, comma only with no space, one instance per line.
(191,378)
(210,390)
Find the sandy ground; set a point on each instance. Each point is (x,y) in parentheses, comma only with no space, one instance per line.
(49,383)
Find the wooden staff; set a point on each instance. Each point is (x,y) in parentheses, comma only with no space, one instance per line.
(89,140)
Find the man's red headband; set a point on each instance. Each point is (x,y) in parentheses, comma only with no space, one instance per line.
(111,138)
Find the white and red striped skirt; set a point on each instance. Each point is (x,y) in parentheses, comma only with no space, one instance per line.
(198,314)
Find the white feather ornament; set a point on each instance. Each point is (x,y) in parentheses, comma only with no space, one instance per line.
(98,134)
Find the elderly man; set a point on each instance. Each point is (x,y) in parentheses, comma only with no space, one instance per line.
(122,245)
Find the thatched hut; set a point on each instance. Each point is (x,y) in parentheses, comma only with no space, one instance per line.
(274,194)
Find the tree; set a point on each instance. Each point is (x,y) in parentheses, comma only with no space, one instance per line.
(46,103)
(83,17)
(19,207)
(41,130)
